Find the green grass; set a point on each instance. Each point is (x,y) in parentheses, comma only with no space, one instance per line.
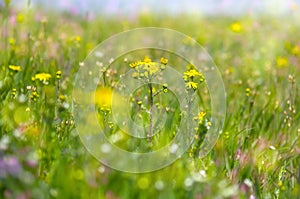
(257,154)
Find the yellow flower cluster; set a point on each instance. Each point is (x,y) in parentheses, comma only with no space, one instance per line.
(13,92)
(43,77)
(192,78)
(34,95)
(248,92)
(147,67)
(58,74)
(192,85)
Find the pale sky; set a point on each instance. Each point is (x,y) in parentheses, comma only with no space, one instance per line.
(203,7)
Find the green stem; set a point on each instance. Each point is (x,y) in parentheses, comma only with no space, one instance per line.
(151,113)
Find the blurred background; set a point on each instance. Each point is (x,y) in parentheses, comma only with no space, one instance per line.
(255,45)
(170,7)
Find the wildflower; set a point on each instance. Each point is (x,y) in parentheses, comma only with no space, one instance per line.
(200,117)
(226,135)
(153,69)
(34,95)
(135,64)
(147,67)
(147,60)
(163,61)
(153,90)
(11,41)
(208,124)
(77,38)
(135,74)
(236,27)
(62,97)
(43,77)
(191,73)
(10,165)
(192,85)
(103,97)
(20,18)
(248,92)
(58,74)
(165,88)
(13,92)
(15,68)
(189,77)
(282,62)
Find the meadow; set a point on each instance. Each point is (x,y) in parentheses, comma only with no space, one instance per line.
(257,154)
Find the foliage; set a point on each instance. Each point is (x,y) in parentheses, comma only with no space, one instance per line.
(256,156)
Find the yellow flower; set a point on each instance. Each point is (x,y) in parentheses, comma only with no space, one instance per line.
(192,85)
(77,38)
(135,64)
(42,77)
(153,68)
(208,124)
(135,74)
(20,18)
(34,95)
(163,61)
(248,92)
(13,93)
(191,73)
(11,41)
(147,67)
(201,115)
(15,68)
(58,74)
(282,62)
(147,60)
(236,27)
(103,97)
(62,97)
(153,90)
